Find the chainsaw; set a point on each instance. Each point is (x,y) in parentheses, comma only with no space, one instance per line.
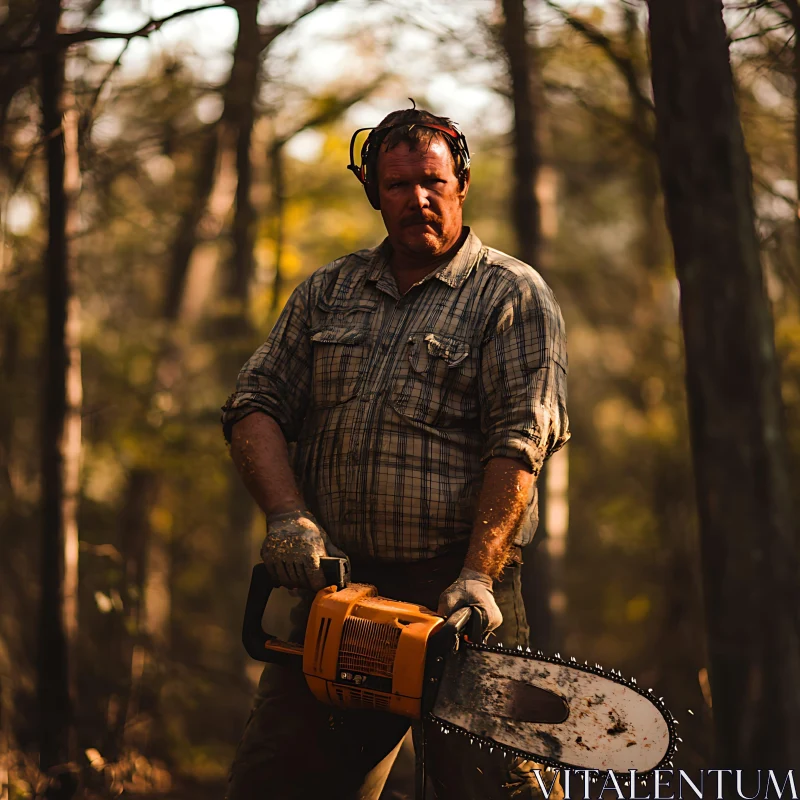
(365,651)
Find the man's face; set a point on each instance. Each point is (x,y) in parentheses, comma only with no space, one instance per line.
(421,199)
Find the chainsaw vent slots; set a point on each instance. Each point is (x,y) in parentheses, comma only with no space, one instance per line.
(322,637)
(366,651)
(368,647)
(362,698)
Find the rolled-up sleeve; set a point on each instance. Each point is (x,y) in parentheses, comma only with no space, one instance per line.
(523,376)
(277,378)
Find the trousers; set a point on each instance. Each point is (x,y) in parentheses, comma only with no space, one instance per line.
(295,748)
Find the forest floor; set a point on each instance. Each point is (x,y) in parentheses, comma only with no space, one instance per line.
(399,786)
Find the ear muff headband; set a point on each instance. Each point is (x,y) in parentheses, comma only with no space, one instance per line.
(367,171)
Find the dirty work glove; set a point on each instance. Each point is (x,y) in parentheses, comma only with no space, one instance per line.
(293,547)
(471,589)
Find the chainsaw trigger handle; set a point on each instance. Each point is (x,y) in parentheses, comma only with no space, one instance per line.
(459,620)
(260,645)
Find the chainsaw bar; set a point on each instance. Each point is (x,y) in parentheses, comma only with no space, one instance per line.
(487,695)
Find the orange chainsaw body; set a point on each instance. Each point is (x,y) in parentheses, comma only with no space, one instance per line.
(366,651)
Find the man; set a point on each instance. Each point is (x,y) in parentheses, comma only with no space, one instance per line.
(424,384)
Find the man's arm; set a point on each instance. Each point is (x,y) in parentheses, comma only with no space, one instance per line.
(503,500)
(276,380)
(267,408)
(294,542)
(259,451)
(522,392)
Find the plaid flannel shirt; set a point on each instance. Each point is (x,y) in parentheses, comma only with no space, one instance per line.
(395,402)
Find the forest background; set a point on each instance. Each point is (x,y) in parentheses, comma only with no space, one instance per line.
(201,176)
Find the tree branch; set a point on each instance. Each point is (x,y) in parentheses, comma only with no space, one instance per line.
(68,38)
(624,64)
(641,137)
(763,184)
(770,5)
(792,5)
(330,109)
(102,85)
(758,34)
(269,33)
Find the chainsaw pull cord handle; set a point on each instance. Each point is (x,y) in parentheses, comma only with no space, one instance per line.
(263,646)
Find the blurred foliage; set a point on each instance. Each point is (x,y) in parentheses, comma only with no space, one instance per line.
(630,572)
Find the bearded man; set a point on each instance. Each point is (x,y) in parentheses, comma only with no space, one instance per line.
(423,384)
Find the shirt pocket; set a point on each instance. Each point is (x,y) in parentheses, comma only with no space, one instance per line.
(436,380)
(346,308)
(339,358)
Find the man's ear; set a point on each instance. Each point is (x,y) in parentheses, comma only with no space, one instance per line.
(464,187)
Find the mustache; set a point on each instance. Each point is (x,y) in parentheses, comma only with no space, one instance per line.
(420,219)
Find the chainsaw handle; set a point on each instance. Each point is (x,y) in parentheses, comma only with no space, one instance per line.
(457,621)
(263,646)
(260,645)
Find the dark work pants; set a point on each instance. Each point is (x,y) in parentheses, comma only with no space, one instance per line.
(296,748)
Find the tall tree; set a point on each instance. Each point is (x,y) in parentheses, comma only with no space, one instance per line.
(527,159)
(223,177)
(278,185)
(60,426)
(527,216)
(748,536)
(235,335)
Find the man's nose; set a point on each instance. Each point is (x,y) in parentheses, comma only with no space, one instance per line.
(420,197)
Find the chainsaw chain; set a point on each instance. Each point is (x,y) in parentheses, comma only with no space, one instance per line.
(538,655)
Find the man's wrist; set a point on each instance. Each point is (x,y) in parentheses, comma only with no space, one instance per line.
(468,574)
(479,560)
(292,512)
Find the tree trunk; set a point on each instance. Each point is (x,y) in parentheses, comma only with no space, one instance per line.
(205,214)
(748,538)
(794,10)
(650,244)
(134,534)
(237,332)
(185,240)
(527,158)
(537,574)
(74,389)
(279,207)
(241,115)
(147,553)
(60,437)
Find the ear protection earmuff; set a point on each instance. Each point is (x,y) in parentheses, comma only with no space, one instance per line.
(367,172)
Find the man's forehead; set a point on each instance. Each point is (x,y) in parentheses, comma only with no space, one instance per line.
(433,156)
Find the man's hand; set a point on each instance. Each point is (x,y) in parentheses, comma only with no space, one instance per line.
(471,589)
(293,547)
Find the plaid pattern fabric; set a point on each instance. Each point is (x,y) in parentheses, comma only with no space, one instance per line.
(395,401)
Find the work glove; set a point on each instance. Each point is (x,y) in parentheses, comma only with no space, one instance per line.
(293,547)
(471,588)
